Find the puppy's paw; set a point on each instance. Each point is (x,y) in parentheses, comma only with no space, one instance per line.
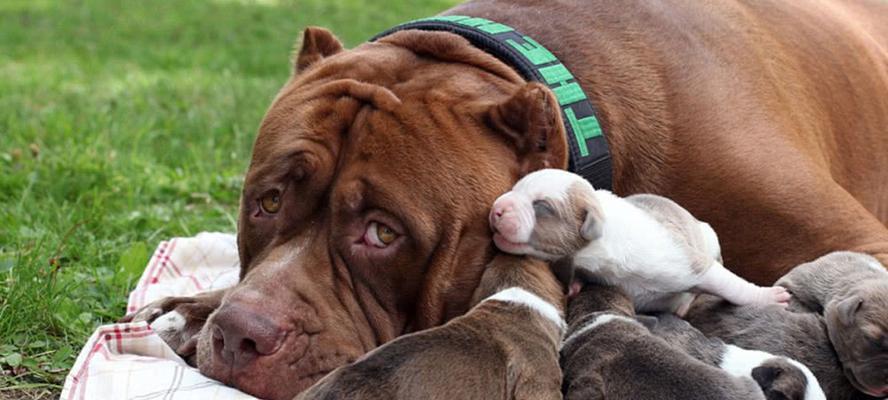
(774,295)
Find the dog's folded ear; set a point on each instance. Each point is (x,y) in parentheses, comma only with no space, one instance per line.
(765,375)
(531,121)
(847,309)
(593,220)
(591,228)
(317,43)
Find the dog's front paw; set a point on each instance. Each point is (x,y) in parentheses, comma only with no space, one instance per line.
(179,320)
(147,313)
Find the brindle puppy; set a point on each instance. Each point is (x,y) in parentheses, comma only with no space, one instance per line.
(851,291)
(780,378)
(506,347)
(610,355)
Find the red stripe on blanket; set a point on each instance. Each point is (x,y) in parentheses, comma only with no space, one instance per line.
(173,265)
(190,277)
(162,257)
(146,277)
(103,335)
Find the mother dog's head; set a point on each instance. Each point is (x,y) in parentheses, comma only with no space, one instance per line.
(363,215)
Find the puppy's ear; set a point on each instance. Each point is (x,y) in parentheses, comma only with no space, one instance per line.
(765,375)
(593,223)
(531,121)
(317,43)
(848,308)
(649,321)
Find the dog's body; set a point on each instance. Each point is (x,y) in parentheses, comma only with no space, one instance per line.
(646,244)
(760,144)
(779,377)
(609,355)
(850,290)
(800,336)
(505,347)
(363,210)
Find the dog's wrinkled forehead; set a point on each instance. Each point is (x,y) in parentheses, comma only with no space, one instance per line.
(549,183)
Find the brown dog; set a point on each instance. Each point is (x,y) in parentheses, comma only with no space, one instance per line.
(363,211)
(506,347)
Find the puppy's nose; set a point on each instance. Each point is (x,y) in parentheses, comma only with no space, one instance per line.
(496,214)
(499,209)
(240,335)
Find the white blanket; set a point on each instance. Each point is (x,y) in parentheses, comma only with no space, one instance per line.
(129,361)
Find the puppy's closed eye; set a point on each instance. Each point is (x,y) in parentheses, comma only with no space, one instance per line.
(542,208)
(879,342)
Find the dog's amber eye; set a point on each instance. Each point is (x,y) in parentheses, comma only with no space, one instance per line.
(385,234)
(380,235)
(271,202)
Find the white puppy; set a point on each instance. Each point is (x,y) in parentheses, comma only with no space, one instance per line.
(648,245)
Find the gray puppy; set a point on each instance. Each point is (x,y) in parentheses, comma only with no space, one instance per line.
(850,290)
(780,378)
(801,336)
(610,355)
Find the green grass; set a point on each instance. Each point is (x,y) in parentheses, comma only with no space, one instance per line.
(122,124)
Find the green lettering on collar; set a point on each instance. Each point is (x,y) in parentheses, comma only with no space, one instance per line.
(569,93)
(494,28)
(584,129)
(566,92)
(475,22)
(485,25)
(533,51)
(557,73)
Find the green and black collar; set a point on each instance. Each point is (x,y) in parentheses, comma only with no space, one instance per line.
(589,156)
